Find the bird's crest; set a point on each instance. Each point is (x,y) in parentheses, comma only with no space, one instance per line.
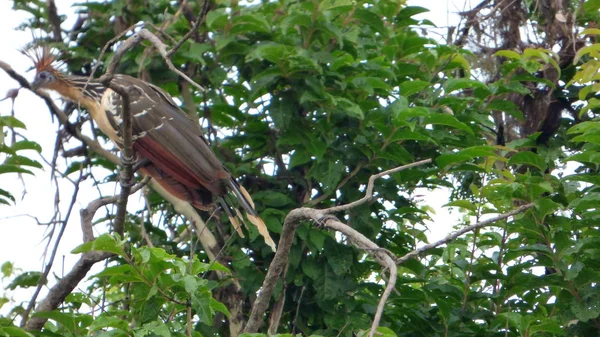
(44,58)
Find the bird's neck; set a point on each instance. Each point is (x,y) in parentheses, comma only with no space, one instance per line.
(80,89)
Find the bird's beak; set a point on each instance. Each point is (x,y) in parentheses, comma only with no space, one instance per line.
(35,85)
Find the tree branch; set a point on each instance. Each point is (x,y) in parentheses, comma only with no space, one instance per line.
(382,256)
(321,216)
(454,235)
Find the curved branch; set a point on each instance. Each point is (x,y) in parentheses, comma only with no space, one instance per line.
(321,216)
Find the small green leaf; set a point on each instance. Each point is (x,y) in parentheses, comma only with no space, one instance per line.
(574,270)
(452,158)
(249,23)
(509,54)
(11,122)
(348,107)
(21,161)
(105,243)
(453,84)
(449,120)
(4,168)
(7,269)
(528,158)
(409,88)
(14,331)
(216,18)
(466,204)
(507,106)
(218,306)
(273,52)
(25,280)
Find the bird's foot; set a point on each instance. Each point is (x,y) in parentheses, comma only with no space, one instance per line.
(322,220)
(125,180)
(127,160)
(140,163)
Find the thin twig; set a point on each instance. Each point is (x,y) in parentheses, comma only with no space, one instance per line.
(454,235)
(371,185)
(191,32)
(48,268)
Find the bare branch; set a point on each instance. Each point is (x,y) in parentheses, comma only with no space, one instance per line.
(371,185)
(54,21)
(382,256)
(48,267)
(127,157)
(192,31)
(454,235)
(134,40)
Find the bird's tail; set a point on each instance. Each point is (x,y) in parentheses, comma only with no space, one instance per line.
(247,204)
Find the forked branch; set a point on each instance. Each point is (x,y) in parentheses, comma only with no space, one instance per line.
(382,256)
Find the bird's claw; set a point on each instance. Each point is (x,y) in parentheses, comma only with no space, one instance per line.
(127,160)
(322,220)
(140,163)
(126,182)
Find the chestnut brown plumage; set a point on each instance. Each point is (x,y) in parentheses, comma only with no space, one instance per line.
(177,154)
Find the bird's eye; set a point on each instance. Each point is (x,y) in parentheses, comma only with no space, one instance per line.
(44,75)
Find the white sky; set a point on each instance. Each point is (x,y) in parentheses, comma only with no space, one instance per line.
(22,240)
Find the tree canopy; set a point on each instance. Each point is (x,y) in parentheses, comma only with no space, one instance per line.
(311,104)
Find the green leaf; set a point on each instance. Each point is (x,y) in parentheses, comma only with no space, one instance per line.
(7,269)
(249,23)
(68,321)
(348,107)
(466,204)
(272,199)
(300,157)
(329,173)
(528,158)
(218,306)
(6,194)
(449,120)
(21,161)
(25,280)
(398,106)
(272,52)
(12,331)
(509,54)
(4,168)
(105,321)
(574,270)
(385,332)
(445,160)
(370,19)
(201,302)
(105,243)
(588,201)
(26,145)
(409,88)
(11,122)
(217,18)
(506,106)
(585,310)
(453,84)
(331,4)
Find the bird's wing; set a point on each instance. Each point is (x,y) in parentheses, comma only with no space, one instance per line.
(167,137)
(175,145)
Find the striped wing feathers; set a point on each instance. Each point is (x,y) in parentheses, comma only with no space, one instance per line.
(182,160)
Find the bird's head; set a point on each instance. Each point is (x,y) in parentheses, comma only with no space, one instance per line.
(46,74)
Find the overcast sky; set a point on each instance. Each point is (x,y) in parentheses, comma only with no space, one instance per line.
(22,240)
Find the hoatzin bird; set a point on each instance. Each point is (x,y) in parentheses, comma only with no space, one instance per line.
(168,144)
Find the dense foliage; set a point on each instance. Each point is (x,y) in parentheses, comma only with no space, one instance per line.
(304,101)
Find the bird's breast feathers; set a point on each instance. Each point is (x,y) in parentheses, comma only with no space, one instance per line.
(106,115)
